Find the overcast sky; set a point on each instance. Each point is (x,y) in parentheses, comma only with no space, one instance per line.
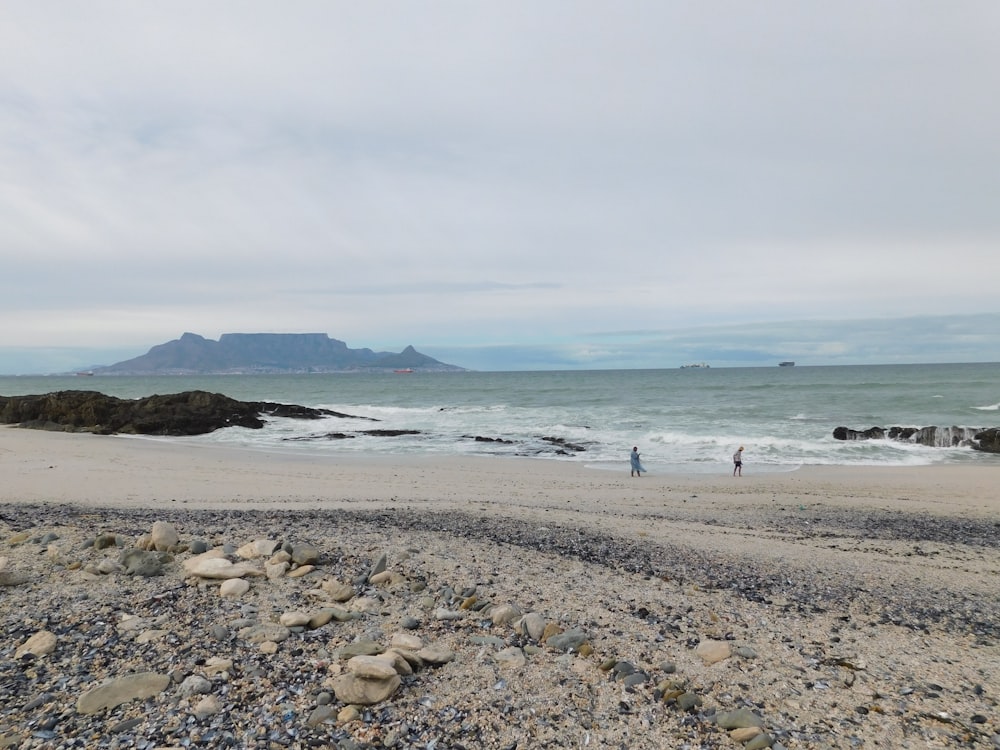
(503,185)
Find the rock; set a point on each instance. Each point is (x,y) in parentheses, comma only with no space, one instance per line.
(13,578)
(187,413)
(163,536)
(41,643)
(138,562)
(304,553)
(511,658)
(348,714)
(745,734)
(320,715)
(406,642)
(194,685)
(295,619)
(846,433)
(532,625)
(711,652)
(258,548)
(505,614)
(740,718)
(370,667)
(115,691)
(149,636)
(350,688)
(210,566)
(217,665)
(435,655)
(274,571)
(108,566)
(234,588)
(270,631)
(571,640)
(987,440)
(104,541)
(299,572)
(337,591)
(207,706)
(360,648)
(687,701)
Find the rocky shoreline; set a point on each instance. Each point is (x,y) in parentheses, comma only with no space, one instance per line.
(497,633)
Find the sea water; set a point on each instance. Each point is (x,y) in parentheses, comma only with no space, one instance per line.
(683,420)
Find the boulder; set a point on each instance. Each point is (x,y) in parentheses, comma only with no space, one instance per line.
(933,436)
(988,441)
(187,413)
(846,433)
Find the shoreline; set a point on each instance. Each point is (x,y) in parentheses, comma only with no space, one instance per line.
(83,468)
(836,596)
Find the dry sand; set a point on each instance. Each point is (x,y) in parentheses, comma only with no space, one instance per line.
(861,606)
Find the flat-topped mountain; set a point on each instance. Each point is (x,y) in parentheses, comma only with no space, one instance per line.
(244,353)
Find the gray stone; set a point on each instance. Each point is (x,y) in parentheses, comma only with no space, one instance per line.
(688,701)
(571,640)
(360,648)
(104,541)
(138,562)
(194,685)
(321,714)
(304,553)
(533,625)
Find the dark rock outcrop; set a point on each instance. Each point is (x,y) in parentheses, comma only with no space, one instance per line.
(187,413)
(268,353)
(988,440)
(977,438)
(846,433)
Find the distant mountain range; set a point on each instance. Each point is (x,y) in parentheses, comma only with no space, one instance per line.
(248,353)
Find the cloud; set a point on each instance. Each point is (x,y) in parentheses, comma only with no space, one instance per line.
(507,176)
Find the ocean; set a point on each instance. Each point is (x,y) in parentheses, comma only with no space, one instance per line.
(688,420)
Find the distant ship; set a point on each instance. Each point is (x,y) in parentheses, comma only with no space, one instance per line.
(85,374)
(696,365)
(786,364)
(404,371)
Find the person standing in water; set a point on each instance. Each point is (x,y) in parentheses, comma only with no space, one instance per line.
(637,467)
(738,462)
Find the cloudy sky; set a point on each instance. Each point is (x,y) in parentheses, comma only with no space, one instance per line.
(504,185)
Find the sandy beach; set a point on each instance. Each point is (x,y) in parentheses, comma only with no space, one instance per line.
(826,607)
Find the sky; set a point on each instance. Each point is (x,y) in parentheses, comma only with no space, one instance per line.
(519,185)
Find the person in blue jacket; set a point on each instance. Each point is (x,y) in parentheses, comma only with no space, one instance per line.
(637,467)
